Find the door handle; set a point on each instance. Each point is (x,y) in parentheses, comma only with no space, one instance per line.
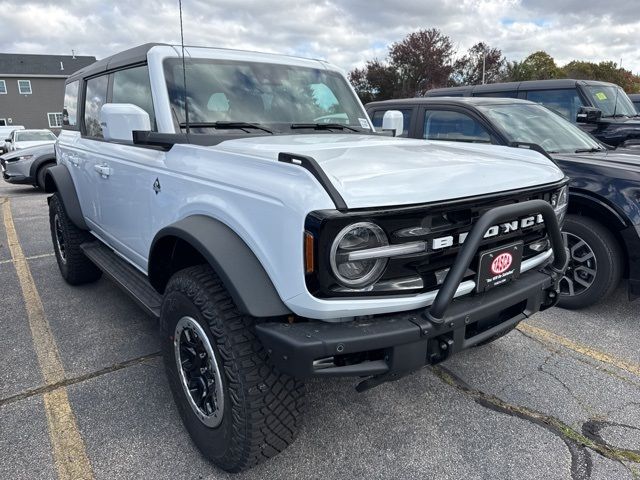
(103,170)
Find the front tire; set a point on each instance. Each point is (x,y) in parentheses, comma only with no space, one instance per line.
(237,408)
(74,266)
(42,175)
(595,263)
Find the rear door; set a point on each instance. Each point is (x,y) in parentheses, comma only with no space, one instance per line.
(83,151)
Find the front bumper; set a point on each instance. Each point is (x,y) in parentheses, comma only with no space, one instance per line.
(387,346)
(631,239)
(12,173)
(400,343)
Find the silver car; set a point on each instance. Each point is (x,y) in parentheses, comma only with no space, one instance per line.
(28,165)
(20,139)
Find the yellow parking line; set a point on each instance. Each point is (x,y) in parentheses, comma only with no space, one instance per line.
(69,452)
(547,336)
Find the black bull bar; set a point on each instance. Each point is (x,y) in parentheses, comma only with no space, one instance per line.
(388,346)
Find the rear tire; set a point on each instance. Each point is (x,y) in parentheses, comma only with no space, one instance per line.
(595,263)
(74,266)
(257,413)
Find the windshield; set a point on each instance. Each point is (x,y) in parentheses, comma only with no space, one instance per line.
(35,137)
(268,94)
(536,124)
(604,98)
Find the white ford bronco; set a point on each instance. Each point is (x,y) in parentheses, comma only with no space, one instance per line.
(246,201)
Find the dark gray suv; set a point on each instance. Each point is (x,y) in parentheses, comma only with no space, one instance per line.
(602,109)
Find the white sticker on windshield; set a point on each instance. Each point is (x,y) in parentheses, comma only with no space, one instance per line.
(364,123)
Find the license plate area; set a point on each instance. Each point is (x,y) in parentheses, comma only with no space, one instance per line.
(499,266)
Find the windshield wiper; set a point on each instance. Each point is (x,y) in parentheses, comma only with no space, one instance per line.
(227,125)
(617,115)
(324,126)
(590,150)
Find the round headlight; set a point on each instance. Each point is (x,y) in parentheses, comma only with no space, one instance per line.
(560,202)
(356,237)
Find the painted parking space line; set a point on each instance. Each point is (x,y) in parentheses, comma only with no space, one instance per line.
(69,451)
(549,337)
(32,257)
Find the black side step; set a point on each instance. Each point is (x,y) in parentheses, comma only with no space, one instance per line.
(132,281)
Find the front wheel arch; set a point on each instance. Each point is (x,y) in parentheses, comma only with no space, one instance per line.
(199,239)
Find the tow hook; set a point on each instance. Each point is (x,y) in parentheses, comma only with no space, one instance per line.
(550,299)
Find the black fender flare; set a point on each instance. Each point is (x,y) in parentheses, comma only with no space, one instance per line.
(239,269)
(39,161)
(59,180)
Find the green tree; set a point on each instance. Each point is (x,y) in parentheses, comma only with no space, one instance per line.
(375,81)
(537,66)
(468,69)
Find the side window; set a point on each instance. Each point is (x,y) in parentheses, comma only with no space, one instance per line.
(508,94)
(454,127)
(70,107)
(133,86)
(378,115)
(564,102)
(95,97)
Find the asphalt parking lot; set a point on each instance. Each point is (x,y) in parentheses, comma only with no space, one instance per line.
(83,392)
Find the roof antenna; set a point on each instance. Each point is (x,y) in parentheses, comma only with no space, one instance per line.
(184,72)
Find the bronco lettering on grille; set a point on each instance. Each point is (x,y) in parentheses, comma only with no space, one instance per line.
(494,231)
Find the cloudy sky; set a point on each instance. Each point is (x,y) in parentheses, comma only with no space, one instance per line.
(345,32)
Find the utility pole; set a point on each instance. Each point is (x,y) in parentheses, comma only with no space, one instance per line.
(484,66)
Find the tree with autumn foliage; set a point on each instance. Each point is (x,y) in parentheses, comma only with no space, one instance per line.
(421,61)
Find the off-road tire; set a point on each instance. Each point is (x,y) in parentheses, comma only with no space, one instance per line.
(74,266)
(262,407)
(41,175)
(608,256)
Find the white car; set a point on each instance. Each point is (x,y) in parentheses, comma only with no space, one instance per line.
(274,246)
(19,139)
(5,131)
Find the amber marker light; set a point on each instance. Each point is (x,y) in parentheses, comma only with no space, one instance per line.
(309,261)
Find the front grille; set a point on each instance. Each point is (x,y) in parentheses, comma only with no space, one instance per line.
(425,224)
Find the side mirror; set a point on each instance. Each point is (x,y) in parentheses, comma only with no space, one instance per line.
(393,120)
(7,140)
(119,120)
(588,115)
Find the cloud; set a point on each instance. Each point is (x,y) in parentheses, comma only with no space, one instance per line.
(346,32)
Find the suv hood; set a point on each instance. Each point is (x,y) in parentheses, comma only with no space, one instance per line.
(628,159)
(23,145)
(37,150)
(372,171)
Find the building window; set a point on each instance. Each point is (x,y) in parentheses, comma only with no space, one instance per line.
(3,87)
(55,120)
(3,122)
(24,87)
